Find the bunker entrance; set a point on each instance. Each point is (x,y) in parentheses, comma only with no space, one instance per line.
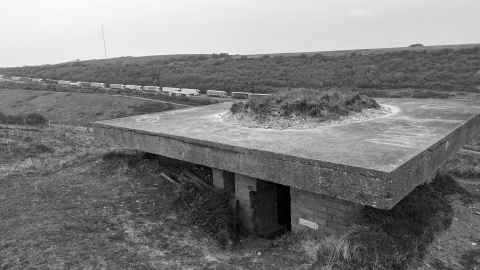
(283,207)
(271,203)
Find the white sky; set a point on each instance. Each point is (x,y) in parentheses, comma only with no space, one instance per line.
(51,31)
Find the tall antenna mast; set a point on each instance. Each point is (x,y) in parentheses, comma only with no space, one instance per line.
(104,42)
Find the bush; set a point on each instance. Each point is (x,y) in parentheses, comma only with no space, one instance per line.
(35,119)
(32,119)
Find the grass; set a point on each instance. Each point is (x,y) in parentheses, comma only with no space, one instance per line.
(405,93)
(31,119)
(76,108)
(12,150)
(464,166)
(305,103)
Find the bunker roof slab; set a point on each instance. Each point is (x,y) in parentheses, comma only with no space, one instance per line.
(374,162)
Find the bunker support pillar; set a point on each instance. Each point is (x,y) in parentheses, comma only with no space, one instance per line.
(223,180)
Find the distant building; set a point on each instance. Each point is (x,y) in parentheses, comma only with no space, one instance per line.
(133,87)
(117,86)
(97,85)
(216,93)
(240,95)
(37,80)
(84,84)
(416,45)
(173,91)
(63,82)
(189,92)
(151,88)
(2,76)
(16,78)
(75,84)
(170,89)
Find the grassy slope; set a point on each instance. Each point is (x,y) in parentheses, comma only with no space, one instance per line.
(438,68)
(74,108)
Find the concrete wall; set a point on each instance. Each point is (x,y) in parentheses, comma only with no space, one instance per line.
(320,212)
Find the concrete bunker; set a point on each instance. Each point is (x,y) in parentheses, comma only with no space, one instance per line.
(314,178)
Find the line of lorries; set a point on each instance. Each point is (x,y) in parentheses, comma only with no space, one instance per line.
(170,91)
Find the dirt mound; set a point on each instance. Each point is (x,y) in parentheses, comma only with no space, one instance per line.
(296,107)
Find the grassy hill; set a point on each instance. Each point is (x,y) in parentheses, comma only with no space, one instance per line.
(447,68)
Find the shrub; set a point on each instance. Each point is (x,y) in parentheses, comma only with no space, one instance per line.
(35,119)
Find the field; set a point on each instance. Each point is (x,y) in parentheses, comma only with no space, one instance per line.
(75,108)
(70,201)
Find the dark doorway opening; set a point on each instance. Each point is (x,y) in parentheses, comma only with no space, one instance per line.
(283,207)
(271,208)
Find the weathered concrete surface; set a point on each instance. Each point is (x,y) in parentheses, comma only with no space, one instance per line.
(319,212)
(375,162)
(245,188)
(223,180)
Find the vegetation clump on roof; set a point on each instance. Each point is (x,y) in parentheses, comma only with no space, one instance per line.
(292,107)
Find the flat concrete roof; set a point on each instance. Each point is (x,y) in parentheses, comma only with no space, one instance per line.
(374,162)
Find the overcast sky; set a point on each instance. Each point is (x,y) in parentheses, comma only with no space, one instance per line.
(52,31)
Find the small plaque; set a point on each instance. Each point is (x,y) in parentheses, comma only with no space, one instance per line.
(308,223)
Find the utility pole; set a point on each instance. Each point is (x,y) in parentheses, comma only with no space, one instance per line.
(104,42)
